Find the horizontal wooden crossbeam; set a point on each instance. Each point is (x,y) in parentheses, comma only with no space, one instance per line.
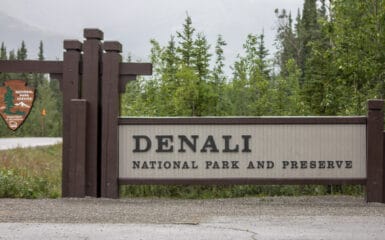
(135,69)
(239,181)
(241,120)
(31,66)
(56,67)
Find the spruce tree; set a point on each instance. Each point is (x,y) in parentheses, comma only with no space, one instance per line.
(286,41)
(22,52)
(250,85)
(186,42)
(37,78)
(12,55)
(201,57)
(3,56)
(22,55)
(218,80)
(169,82)
(218,71)
(171,60)
(41,51)
(262,54)
(3,52)
(309,31)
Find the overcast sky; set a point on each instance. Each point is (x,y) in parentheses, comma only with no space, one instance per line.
(135,22)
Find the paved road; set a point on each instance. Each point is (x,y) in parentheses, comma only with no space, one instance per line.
(262,227)
(324,217)
(9,143)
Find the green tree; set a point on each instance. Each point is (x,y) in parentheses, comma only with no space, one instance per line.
(286,92)
(3,56)
(308,31)
(186,42)
(180,84)
(22,52)
(201,65)
(262,54)
(250,85)
(287,43)
(3,52)
(201,57)
(218,80)
(37,78)
(41,51)
(358,43)
(318,72)
(187,95)
(12,55)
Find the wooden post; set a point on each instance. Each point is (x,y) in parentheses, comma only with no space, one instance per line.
(91,92)
(110,114)
(77,151)
(70,88)
(375,152)
(383,169)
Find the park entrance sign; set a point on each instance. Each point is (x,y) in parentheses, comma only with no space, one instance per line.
(242,148)
(102,151)
(263,150)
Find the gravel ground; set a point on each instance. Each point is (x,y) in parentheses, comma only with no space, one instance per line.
(272,218)
(170,211)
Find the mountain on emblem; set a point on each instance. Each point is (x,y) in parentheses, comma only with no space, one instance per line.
(16,101)
(22,104)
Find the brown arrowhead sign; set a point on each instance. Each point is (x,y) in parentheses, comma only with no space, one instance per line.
(16,101)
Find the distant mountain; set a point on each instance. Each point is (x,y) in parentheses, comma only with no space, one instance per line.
(14,31)
(136,22)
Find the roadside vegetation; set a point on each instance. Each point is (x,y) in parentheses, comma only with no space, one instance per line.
(31,172)
(204,192)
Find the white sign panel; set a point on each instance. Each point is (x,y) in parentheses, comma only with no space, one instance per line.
(276,151)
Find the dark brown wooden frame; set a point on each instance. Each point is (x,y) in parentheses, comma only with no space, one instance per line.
(374,149)
(240,120)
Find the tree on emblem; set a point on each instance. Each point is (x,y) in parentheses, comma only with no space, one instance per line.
(8,98)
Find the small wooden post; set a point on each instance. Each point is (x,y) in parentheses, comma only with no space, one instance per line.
(90,91)
(375,152)
(77,151)
(383,169)
(70,85)
(110,113)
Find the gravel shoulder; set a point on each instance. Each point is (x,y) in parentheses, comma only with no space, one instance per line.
(172,211)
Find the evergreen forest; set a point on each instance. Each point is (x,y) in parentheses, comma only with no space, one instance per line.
(329,60)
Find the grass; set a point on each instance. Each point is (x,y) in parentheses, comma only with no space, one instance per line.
(36,173)
(31,172)
(217,191)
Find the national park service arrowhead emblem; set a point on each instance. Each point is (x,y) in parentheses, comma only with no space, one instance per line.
(16,101)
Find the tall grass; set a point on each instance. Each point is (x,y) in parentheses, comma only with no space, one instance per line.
(31,172)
